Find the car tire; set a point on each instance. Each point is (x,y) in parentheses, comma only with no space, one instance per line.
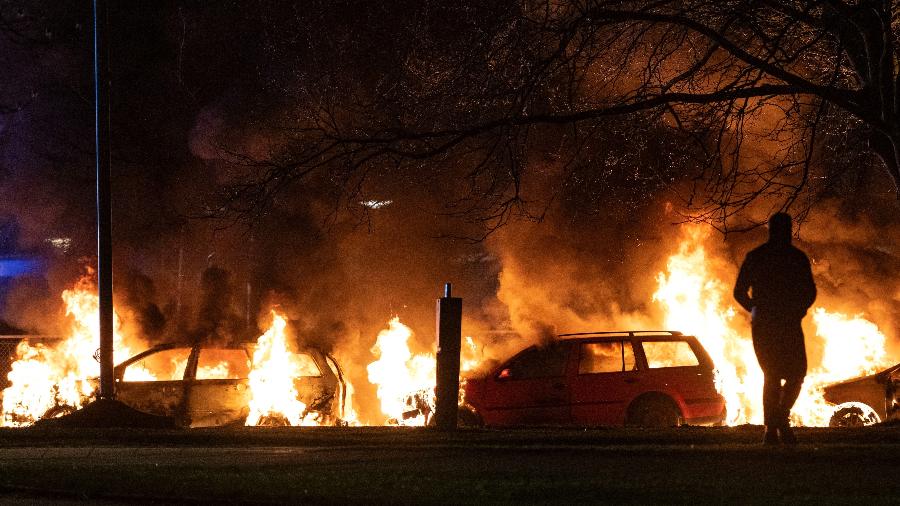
(654,411)
(855,414)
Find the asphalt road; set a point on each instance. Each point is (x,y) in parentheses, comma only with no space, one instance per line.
(418,466)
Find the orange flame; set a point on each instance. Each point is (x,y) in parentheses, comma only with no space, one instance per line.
(694,300)
(273,393)
(853,346)
(405,382)
(60,376)
(399,374)
(697,302)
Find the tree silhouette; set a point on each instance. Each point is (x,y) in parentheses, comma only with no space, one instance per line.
(494,95)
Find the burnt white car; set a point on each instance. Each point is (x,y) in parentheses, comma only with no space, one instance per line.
(865,400)
(202,385)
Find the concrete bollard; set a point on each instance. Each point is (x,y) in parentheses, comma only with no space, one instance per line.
(449,342)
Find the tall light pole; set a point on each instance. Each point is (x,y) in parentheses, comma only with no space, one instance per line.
(104,225)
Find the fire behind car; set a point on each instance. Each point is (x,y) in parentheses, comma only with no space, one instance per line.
(652,378)
(206,384)
(866,400)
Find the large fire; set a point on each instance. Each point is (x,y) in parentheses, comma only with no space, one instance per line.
(693,292)
(696,301)
(46,379)
(405,381)
(273,394)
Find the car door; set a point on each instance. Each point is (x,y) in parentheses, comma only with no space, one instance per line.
(218,391)
(605,380)
(531,388)
(153,381)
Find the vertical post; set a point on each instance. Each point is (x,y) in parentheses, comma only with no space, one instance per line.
(449,342)
(104,233)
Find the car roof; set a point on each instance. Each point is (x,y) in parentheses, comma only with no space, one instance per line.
(611,335)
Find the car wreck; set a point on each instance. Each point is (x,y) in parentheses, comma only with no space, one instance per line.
(203,385)
(865,400)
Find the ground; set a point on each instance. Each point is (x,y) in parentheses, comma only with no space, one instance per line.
(414,466)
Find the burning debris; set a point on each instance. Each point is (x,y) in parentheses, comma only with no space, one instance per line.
(273,394)
(262,383)
(405,381)
(53,380)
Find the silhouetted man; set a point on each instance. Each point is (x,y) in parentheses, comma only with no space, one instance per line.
(781,290)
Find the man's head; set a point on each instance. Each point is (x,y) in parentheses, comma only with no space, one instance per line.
(780,228)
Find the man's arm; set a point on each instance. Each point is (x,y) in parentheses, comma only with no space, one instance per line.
(807,286)
(742,286)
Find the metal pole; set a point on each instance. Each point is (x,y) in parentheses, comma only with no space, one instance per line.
(449,344)
(104,235)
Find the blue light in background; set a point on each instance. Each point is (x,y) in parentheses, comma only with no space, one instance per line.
(15,267)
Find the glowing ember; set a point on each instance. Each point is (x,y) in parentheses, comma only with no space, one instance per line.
(273,394)
(404,380)
(53,379)
(697,302)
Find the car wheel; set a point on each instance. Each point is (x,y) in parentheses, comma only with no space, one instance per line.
(853,414)
(654,411)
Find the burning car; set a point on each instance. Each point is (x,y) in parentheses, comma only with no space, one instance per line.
(208,384)
(655,379)
(865,400)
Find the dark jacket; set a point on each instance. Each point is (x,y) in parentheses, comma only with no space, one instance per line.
(781,281)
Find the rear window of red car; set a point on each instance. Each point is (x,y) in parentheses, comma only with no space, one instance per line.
(661,354)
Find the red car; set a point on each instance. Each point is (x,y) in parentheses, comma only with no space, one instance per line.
(655,379)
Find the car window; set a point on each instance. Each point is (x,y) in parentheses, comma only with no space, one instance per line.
(164,365)
(214,363)
(606,357)
(307,365)
(543,362)
(669,354)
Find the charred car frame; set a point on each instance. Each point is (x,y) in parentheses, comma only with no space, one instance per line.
(865,400)
(196,390)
